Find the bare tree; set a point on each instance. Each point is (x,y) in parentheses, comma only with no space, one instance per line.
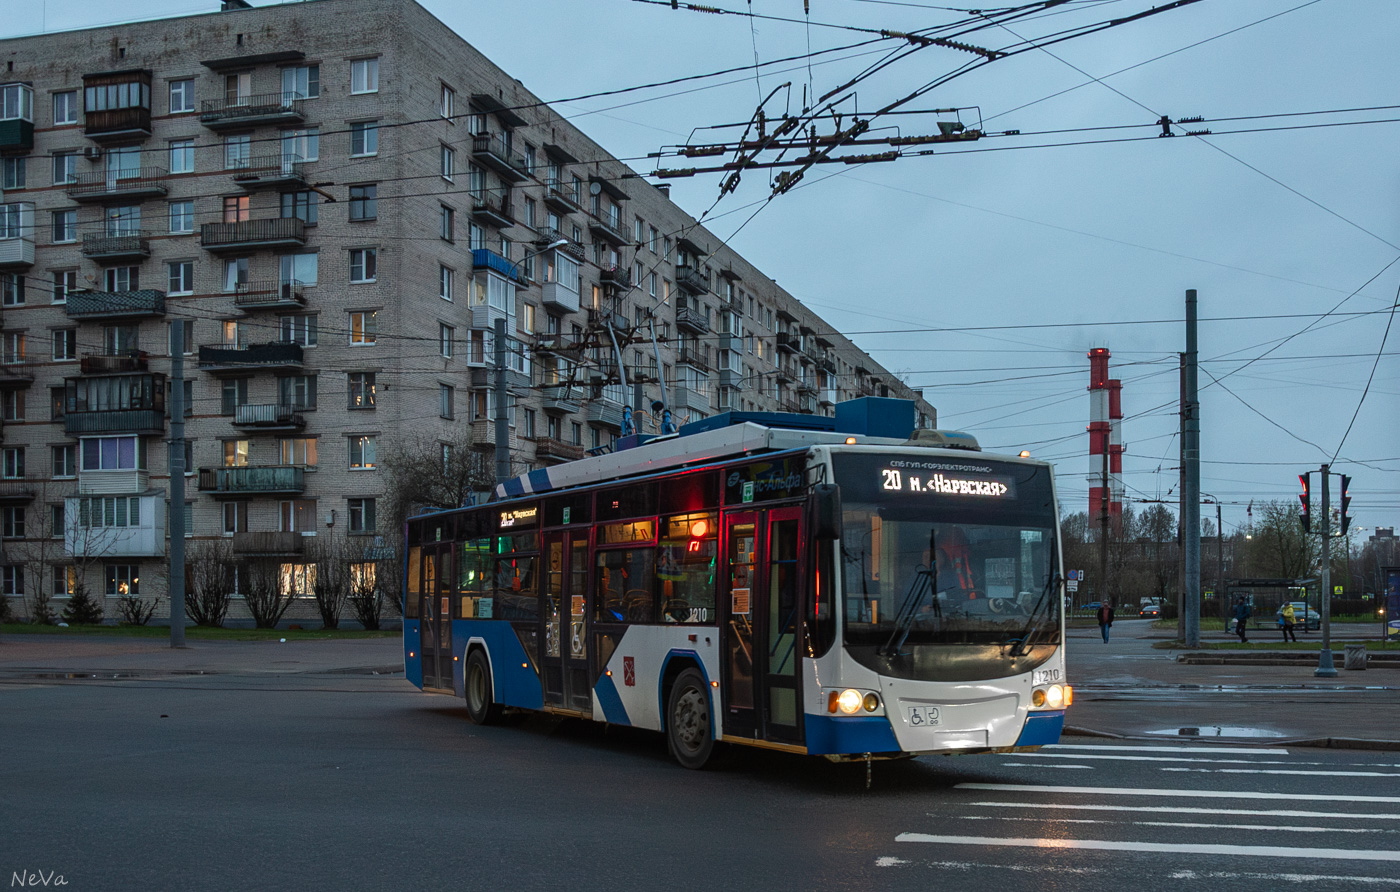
(267,596)
(1279,547)
(210,568)
(331,587)
(366,598)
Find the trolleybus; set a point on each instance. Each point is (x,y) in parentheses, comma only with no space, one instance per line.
(845,587)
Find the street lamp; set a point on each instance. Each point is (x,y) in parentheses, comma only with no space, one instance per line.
(1208,499)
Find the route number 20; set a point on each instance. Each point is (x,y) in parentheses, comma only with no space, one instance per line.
(892,480)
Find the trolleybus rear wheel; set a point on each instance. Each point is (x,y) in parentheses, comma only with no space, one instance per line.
(482,707)
(688,720)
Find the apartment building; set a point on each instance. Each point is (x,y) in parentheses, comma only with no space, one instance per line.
(333,202)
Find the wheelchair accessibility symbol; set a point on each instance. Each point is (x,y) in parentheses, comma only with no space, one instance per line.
(920,716)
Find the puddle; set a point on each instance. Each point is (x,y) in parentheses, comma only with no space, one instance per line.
(1216,731)
(85,676)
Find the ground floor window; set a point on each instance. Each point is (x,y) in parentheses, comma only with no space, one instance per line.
(12,580)
(123,579)
(298,579)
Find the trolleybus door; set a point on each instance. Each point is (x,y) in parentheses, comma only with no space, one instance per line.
(563,617)
(435,623)
(782,625)
(738,614)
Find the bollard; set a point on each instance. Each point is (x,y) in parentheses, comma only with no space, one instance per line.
(1355,657)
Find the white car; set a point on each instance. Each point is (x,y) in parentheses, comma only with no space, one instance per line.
(1303,615)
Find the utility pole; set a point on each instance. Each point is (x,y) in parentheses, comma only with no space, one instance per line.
(1191,483)
(1219,556)
(502,418)
(1181,496)
(1325,666)
(177,483)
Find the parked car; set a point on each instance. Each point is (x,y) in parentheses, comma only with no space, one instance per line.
(1150,611)
(1303,616)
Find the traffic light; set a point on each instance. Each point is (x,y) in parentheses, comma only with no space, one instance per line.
(1303,497)
(1346,500)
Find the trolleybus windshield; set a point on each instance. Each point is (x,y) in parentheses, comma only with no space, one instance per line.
(948,565)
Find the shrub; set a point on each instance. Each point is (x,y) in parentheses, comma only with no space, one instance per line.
(82,608)
(135,611)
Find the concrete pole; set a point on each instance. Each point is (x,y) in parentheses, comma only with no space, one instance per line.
(502,417)
(1325,666)
(1219,556)
(1181,497)
(177,483)
(1191,484)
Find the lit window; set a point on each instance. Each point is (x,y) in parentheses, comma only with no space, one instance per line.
(363,452)
(364,327)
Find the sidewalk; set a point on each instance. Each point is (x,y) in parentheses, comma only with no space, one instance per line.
(22,655)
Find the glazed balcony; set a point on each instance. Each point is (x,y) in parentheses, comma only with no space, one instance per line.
(692,320)
(275,357)
(561,398)
(115,247)
(692,280)
(132,184)
(117,125)
(268,417)
(113,363)
(251,111)
(279,232)
(16,252)
(604,411)
(270,172)
(269,294)
(560,297)
(276,480)
(115,304)
(16,136)
(492,150)
(268,544)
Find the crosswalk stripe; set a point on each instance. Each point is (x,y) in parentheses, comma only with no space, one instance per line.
(1285,771)
(1199,794)
(1191,810)
(1110,845)
(1233,750)
(1113,758)
(1196,825)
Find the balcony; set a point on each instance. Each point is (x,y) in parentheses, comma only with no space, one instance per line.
(788,342)
(728,341)
(604,411)
(692,320)
(269,417)
(555,344)
(559,297)
(826,396)
(516,381)
(561,199)
(16,374)
(807,384)
(482,434)
(278,480)
(268,544)
(112,483)
(483,258)
(12,491)
(279,232)
(126,183)
(115,304)
(553,236)
(108,363)
(827,364)
(550,449)
(694,358)
(561,398)
(496,152)
(268,294)
(697,399)
(16,136)
(146,539)
(692,280)
(492,208)
(150,422)
(270,172)
(609,231)
(115,247)
(275,357)
(730,378)
(16,252)
(786,374)
(251,111)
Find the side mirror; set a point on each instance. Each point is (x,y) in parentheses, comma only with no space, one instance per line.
(826,513)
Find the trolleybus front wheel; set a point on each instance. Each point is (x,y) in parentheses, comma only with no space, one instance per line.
(482,707)
(688,721)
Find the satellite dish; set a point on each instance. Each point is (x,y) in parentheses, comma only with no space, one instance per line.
(595,188)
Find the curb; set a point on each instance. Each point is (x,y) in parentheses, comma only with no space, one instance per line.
(1336,743)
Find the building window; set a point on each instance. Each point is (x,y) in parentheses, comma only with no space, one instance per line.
(362,390)
(236,453)
(361,513)
(123,580)
(304,206)
(300,269)
(111,512)
(445,276)
(187,331)
(449,163)
(364,202)
(182,156)
(298,451)
(297,391)
(182,216)
(12,521)
(301,145)
(235,273)
(232,394)
(236,209)
(530,423)
(12,172)
(237,148)
(122,278)
(298,329)
(122,220)
(364,327)
(362,452)
(364,75)
(446,401)
(65,226)
(182,96)
(235,517)
(297,516)
(12,348)
(364,138)
(449,224)
(65,345)
(12,405)
(297,580)
(12,580)
(65,108)
(446,338)
(65,168)
(301,82)
(448,102)
(364,267)
(12,289)
(181,277)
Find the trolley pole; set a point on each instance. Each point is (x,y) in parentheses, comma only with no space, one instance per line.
(1191,483)
(502,418)
(177,483)
(1325,667)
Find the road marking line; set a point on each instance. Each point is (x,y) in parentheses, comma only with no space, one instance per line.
(1110,845)
(1189,810)
(1098,756)
(1281,877)
(1042,767)
(1263,751)
(1271,828)
(1198,794)
(1282,771)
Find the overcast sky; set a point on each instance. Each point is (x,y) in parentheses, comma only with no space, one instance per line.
(1010,232)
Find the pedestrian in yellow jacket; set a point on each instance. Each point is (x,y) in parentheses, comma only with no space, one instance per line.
(1287,617)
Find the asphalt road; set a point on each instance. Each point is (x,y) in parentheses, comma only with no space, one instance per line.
(359,782)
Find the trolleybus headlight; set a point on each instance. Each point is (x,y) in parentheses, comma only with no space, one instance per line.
(1037,698)
(849,701)
(872,702)
(1055,697)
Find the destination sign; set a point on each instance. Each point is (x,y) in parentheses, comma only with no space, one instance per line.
(947,484)
(519,517)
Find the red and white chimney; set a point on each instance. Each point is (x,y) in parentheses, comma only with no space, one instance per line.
(1105,438)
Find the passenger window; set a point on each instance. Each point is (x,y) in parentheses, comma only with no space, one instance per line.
(515,595)
(473,571)
(685,573)
(624,593)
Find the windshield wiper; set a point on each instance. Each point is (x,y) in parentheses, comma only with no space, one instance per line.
(919,588)
(1023,643)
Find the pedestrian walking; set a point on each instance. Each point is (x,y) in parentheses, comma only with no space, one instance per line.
(1287,617)
(1105,619)
(1241,614)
